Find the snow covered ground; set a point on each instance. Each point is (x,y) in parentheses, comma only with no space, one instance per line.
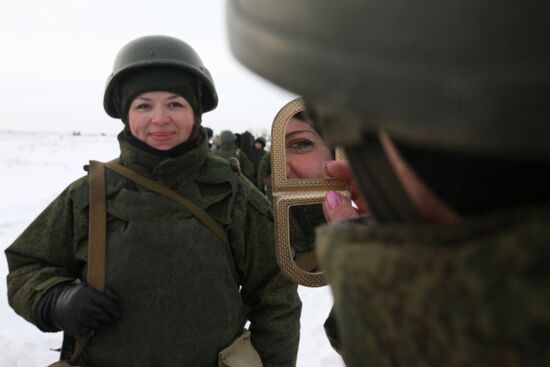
(35,168)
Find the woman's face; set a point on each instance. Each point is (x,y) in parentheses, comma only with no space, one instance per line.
(305,151)
(160,119)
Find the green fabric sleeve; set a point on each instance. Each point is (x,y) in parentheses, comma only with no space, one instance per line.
(45,254)
(272,300)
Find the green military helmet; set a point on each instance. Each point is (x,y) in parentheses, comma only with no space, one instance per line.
(261,139)
(154,51)
(227,138)
(462,75)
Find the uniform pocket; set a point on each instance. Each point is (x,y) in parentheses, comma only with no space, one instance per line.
(130,205)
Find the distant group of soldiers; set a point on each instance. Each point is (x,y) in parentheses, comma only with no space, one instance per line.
(247,154)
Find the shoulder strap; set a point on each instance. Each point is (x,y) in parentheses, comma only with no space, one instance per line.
(97,225)
(197,211)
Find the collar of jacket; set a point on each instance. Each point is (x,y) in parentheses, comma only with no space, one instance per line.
(165,170)
(196,175)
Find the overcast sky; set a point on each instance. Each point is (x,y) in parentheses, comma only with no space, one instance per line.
(56,56)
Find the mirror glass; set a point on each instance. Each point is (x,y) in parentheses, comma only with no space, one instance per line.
(303,221)
(298,191)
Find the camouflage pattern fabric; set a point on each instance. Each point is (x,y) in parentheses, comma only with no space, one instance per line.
(469,294)
(179,300)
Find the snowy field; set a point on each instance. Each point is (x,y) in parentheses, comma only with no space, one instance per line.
(35,168)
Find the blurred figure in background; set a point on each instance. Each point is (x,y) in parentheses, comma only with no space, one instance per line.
(245,142)
(215,142)
(209,134)
(229,150)
(264,175)
(260,144)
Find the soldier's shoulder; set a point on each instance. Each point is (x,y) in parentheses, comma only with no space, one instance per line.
(77,191)
(216,162)
(247,190)
(254,196)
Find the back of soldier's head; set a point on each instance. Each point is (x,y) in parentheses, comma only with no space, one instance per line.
(246,139)
(227,139)
(465,81)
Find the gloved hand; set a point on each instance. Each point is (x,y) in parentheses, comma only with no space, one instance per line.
(77,309)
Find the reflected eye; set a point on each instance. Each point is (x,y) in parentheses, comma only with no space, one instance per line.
(299,146)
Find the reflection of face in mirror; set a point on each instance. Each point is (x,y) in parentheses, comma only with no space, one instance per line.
(298,156)
(305,150)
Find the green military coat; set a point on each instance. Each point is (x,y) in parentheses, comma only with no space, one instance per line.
(182,298)
(473,293)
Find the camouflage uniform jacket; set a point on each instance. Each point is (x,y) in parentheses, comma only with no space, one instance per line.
(175,281)
(474,293)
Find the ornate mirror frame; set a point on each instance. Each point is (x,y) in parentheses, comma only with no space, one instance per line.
(289,192)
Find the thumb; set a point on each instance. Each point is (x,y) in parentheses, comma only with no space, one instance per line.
(336,207)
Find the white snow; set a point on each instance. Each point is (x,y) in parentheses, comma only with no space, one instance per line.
(35,168)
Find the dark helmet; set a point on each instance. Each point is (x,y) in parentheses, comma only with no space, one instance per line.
(261,140)
(154,51)
(209,132)
(468,76)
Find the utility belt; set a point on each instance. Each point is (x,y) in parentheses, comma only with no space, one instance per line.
(240,352)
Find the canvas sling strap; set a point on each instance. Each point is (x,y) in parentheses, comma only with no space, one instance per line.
(98,226)
(96,242)
(197,211)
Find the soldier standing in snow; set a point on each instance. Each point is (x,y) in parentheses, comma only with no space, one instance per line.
(176,295)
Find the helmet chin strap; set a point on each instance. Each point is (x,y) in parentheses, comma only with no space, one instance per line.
(379,185)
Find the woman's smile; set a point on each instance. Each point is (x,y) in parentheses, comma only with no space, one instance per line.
(161,119)
(165,135)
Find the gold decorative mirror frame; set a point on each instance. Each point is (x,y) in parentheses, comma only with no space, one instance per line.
(289,192)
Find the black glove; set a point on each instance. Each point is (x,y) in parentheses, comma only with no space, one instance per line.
(77,309)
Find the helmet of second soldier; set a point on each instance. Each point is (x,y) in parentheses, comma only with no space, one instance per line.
(260,140)
(227,139)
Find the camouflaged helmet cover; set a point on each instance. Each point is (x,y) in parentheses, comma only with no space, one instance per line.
(154,51)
